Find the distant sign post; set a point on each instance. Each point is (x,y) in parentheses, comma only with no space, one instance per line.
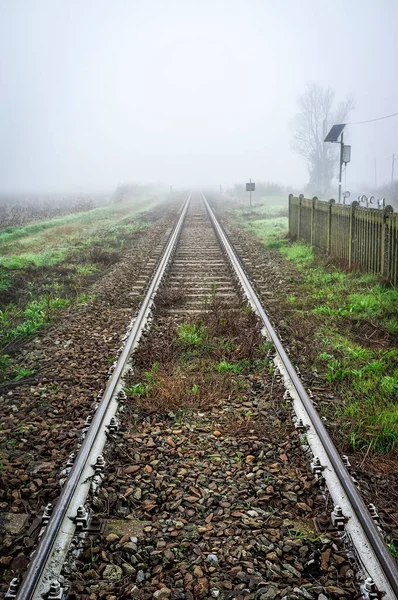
(250,187)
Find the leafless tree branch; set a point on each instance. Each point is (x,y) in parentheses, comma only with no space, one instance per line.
(317,109)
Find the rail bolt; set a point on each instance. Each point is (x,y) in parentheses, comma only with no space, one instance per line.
(373,512)
(95,482)
(111,368)
(88,420)
(47,514)
(56,591)
(100,463)
(316,466)
(12,588)
(113,425)
(369,589)
(346,461)
(71,459)
(337,517)
(300,425)
(81,518)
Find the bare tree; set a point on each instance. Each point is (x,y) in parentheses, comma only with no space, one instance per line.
(318,112)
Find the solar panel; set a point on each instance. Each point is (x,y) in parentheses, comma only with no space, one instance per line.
(334,133)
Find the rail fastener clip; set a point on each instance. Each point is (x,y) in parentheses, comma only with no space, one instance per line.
(338,519)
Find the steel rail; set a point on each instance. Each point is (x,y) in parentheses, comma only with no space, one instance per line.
(32,580)
(387,563)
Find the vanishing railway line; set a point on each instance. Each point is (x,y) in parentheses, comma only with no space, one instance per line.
(198,262)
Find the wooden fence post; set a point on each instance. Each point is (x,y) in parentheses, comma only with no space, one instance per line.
(299,216)
(314,200)
(290,215)
(385,242)
(353,234)
(329,240)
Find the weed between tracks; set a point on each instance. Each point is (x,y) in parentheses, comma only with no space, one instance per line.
(199,362)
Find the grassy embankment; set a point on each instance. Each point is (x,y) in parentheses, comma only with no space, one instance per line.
(47,265)
(355,325)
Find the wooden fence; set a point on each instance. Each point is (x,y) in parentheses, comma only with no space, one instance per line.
(363,238)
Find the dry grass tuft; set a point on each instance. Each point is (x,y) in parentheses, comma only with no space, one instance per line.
(240,326)
(177,364)
(97,254)
(197,390)
(170,296)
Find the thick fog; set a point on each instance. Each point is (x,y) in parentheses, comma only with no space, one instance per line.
(95,93)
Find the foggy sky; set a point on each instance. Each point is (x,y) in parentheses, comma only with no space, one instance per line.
(94,93)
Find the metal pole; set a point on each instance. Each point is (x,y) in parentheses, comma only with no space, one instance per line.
(341,165)
(250,193)
(392,170)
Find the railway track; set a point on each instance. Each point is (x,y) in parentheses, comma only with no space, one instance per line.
(200,284)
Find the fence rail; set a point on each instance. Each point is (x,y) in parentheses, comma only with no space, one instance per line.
(362,238)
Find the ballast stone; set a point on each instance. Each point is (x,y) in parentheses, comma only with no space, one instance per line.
(112,573)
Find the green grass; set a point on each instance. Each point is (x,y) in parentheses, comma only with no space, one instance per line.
(35,314)
(367,380)
(191,334)
(5,281)
(138,390)
(364,377)
(267,220)
(263,207)
(44,266)
(23,372)
(375,303)
(49,243)
(17,326)
(5,367)
(270,231)
(298,252)
(143,389)
(46,258)
(86,270)
(225,366)
(13,233)
(67,246)
(393,547)
(108,213)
